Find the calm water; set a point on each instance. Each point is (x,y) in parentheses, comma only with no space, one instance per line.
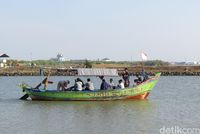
(174,101)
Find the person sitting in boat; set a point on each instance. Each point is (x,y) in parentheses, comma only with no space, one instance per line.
(79,85)
(112,85)
(138,80)
(104,84)
(120,85)
(62,85)
(144,75)
(89,86)
(126,77)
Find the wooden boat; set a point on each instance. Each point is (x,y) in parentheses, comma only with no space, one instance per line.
(140,91)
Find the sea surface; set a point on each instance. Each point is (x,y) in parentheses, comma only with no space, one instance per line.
(175,101)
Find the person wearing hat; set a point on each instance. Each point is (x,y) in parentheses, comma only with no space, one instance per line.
(62,85)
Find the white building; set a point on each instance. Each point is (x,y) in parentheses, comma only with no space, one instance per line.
(3,60)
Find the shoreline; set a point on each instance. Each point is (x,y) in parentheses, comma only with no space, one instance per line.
(165,70)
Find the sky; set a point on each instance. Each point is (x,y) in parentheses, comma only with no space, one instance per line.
(166,30)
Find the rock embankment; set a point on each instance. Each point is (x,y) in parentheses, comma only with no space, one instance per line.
(37,71)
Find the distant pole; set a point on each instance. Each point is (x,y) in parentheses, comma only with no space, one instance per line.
(31,56)
(41,72)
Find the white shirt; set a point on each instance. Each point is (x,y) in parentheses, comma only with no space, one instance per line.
(79,86)
(112,84)
(89,85)
(121,85)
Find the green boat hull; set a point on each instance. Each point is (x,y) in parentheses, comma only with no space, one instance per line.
(138,92)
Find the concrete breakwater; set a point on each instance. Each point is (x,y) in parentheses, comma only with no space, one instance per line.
(165,70)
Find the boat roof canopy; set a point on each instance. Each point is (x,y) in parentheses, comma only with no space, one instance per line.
(97,72)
